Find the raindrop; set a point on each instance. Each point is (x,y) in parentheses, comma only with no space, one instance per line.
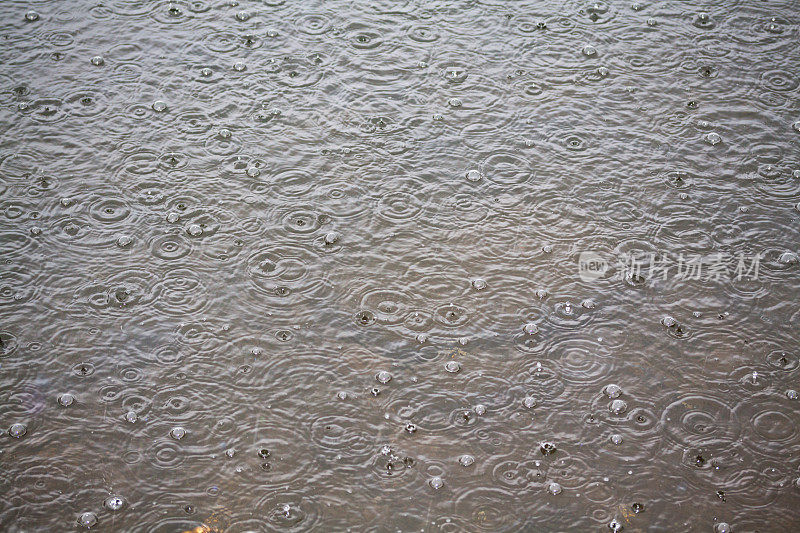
(131,417)
(177,433)
(159,106)
(480,409)
(554,488)
(452,366)
(87,520)
(618,407)
(612,391)
(97,61)
(616,438)
(530,328)
(466,460)
(17,430)
(66,399)
(31,16)
(383,377)
(114,503)
(478,284)
(123,241)
(436,482)
(722,527)
(473,175)
(529,402)
(194,230)
(713,138)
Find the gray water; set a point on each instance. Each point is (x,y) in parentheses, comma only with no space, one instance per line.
(225,225)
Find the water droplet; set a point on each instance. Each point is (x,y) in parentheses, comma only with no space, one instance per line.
(131,417)
(411,428)
(87,520)
(589,51)
(473,175)
(615,525)
(123,241)
(332,237)
(194,230)
(436,482)
(616,438)
(239,66)
(480,409)
(454,102)
(554,488)
(713,138)
(17,430)
(242,16)
(547,448)
(383,377)
(452,366)
(791,394)
(637,507)
(529,402)
(66,399)
(177,433)
(618,407)
(722,527)
(478,284)
(159,106)
(530,328)
(466,460)
(612,391)
(97,61)
(789,258)
(31,16)
(114,503)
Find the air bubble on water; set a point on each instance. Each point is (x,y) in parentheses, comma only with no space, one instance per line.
(342,395)
(616,438)
(722,527)
(554,488)
(332,237)
(529,402)
(615,525)
(411,428)
(114,503)
(17,430)
(383,377)
(239,66)
(791,394)
(589,51)
(87,520)
(224,133)
(123,241)
(131,417)
(466,460)
(651,22)
(473,175)
(97,61)
(195,230)
(612,391)
(159,106)
(66,399)
(796,126)
(230,452)
(438,116)
(669,322)
(480,409)
(177,433)
(530,328)
(436,482)
(479,284)
(618,407)
(789,258)
(713,138)
(452,366)
(454,102)
(242,16)
(31,16)
(173,217)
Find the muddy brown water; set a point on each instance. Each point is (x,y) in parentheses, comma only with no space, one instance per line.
(373,266)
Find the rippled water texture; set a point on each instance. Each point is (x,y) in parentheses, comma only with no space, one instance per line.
(313,266)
